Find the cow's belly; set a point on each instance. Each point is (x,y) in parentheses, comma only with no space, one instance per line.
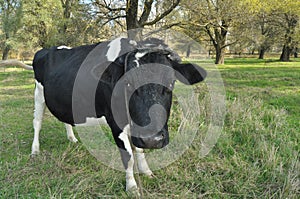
(91,121)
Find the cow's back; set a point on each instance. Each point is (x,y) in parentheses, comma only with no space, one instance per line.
(56,69)
(48,61)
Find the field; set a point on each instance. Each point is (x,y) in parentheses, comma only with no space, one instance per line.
(256,156)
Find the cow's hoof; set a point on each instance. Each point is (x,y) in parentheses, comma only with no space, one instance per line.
(34,154)
(133,191)
(73,139)
(149,174)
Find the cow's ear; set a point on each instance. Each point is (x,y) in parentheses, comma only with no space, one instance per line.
(189,73)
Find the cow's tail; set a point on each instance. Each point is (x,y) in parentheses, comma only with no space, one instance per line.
(14,62)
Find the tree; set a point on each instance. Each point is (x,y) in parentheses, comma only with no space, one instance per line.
(67,6)
(290,24)
(277,24)
(79,25)
(58,22)
(216,18)
(11,14)
(42,19)
(268,32)
(288,16)
(137,14)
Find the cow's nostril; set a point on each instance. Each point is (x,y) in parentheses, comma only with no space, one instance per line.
(159,138)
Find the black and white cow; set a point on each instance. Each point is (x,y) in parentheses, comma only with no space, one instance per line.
(89,84)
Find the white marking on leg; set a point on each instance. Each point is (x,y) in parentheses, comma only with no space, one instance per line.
(130,181)
(137,63)
(114,49)
(39,108)
(70,133)
(142,163)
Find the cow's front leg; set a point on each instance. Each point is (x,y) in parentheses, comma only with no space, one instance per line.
(121,138)
(127,158)
(142,163)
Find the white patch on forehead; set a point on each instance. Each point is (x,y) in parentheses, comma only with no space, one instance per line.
(139,55)
(124,137)
(137,63)
(91,121)
(63,47)
(114,49)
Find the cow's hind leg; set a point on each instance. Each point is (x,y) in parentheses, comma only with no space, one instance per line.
(70,133)
(142,163)
(39,108)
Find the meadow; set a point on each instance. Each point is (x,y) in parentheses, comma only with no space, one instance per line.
(256,156)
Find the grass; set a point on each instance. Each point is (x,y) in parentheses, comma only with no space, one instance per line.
(256,156)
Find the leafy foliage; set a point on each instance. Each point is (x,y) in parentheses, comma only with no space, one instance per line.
(11,22)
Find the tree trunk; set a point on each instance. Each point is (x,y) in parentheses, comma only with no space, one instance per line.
(220,55)
(188,51)
(296,53)
(67,4)
(131,19)
(285,55)
(262,53)
(219,41)
(290,31)
(5,53)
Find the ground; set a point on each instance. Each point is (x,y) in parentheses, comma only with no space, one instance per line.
(256,156)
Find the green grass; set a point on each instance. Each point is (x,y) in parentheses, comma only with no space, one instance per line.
(256,156)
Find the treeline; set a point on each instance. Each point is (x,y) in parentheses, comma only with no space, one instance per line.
(220,25)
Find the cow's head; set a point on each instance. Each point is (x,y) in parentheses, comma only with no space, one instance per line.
(150,73)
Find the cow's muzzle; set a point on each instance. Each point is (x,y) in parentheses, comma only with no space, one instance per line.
(156,141)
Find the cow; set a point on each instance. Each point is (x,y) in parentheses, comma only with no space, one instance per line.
(123,83)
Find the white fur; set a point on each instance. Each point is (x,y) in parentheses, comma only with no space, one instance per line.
(139,55)
(114,49)
(63,47)
(137,63)
(70,133)
(39,108)
(91,121)
(142,163)
(130,181)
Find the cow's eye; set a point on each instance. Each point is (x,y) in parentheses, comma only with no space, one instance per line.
(127,83)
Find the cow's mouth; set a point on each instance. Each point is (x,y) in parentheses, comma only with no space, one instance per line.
(156,141)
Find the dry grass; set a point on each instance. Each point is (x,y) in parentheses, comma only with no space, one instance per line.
(256,156)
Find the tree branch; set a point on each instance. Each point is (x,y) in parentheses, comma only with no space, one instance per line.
(229,44)
(166,27)
(146,12)
(164,14)
(108,7)
(210,35)
(109,19)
